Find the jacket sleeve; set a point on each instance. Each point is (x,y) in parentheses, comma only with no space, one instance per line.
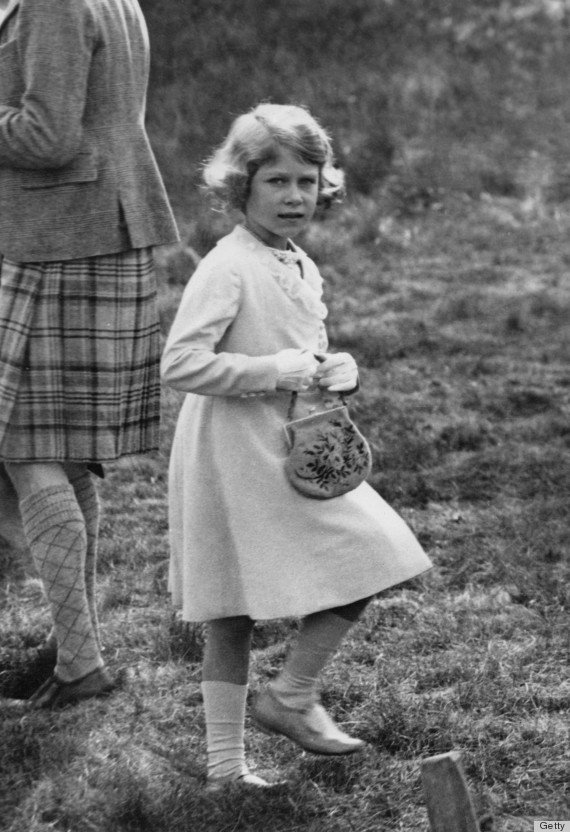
(192,360)
(53,53)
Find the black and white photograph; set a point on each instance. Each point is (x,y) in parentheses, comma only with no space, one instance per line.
(284,416)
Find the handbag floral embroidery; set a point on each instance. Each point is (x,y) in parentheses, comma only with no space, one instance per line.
(328,455)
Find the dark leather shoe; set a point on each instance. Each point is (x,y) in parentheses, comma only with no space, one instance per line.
(20,681)
(57,694)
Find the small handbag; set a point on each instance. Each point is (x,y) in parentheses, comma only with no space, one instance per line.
(328,455)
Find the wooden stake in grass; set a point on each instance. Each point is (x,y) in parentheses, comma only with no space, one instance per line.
(449,804)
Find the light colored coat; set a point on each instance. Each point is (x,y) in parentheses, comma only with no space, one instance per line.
(243,541)
(77,175)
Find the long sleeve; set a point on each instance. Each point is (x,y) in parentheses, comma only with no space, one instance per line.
(194,359)
(41,126)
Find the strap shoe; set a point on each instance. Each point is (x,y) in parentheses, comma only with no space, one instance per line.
(312,729)
(243,781)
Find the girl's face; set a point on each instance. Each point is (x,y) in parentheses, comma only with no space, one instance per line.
(282,199)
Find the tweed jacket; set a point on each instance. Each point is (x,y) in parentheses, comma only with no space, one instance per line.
(77,174)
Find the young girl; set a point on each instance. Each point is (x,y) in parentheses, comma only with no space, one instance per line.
(245,544)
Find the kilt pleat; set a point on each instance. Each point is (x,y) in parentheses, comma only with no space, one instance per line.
(79,359)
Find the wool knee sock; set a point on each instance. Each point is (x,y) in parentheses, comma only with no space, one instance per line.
(88,500)
(55,531)
(224,705)
(319,638)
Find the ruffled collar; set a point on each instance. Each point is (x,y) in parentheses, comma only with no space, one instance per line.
(304,290)
(288,256)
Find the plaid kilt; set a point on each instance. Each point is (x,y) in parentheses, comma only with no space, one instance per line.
(79,359)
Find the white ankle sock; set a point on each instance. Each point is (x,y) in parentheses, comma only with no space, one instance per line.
(320,636)
(224,705)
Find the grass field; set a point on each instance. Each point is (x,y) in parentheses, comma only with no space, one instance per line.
(458,313)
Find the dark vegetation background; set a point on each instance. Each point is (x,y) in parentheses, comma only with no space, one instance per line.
(446,273)
(431,95)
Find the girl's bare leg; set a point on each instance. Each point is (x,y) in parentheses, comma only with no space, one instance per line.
(226,654)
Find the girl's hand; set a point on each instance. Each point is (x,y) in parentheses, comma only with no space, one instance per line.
(338,373)
(296,369)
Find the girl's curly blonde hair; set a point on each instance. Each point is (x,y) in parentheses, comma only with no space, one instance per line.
(255,139)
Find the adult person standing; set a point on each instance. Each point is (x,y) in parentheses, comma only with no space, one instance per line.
(82,205)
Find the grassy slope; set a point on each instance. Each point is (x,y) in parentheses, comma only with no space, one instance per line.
(456,305)
(466,398)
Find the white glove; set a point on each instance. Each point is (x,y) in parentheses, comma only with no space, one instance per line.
(295,369)
(338,372)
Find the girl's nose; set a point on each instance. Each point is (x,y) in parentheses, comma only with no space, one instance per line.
(293,195)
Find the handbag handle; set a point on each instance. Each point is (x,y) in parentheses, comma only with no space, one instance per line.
(293,401)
